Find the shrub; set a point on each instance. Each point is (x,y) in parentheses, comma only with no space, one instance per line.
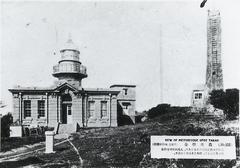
(232,103)
(228,101)
(6,121)
(158,110)
(188,129)
(166,111)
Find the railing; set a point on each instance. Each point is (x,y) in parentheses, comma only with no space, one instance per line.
(72,68)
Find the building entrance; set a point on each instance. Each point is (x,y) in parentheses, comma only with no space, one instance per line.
(66,113)
(66,109)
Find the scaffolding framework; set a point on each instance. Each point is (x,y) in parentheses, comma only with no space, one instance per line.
(214,75)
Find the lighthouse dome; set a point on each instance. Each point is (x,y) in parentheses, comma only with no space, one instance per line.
(69,45)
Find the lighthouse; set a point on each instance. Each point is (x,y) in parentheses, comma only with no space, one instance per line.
(214,74)
(69,69)
(68,105)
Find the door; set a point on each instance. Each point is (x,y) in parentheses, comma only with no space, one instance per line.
(66,109)
(64,113)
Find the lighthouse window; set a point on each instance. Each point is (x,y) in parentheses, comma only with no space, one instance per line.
(68,68)
(75,68)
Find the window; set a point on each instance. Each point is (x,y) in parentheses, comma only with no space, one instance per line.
(103,109)
(27,108)
(41,108)
(198,95)
(75,67)
(91,108)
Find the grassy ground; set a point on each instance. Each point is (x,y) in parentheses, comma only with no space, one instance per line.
(122,146)
(12,143)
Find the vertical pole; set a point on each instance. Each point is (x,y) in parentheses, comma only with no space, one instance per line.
(161,66)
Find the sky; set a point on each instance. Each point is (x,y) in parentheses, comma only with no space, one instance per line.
(160,46)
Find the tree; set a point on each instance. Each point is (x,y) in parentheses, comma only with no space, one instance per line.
(6,121)
(227,100)
(232,103)
(217,99)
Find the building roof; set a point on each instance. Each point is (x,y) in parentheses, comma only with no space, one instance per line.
(122,85)
(65,85)
(56,88)
(101,90)
(33,88)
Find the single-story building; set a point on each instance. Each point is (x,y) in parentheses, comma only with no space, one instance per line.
(67,105)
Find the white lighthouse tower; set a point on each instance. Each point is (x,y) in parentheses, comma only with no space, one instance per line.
(69,69)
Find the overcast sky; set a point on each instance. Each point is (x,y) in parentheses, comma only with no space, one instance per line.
(120,43)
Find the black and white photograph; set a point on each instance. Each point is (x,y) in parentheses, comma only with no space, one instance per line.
(107,84)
